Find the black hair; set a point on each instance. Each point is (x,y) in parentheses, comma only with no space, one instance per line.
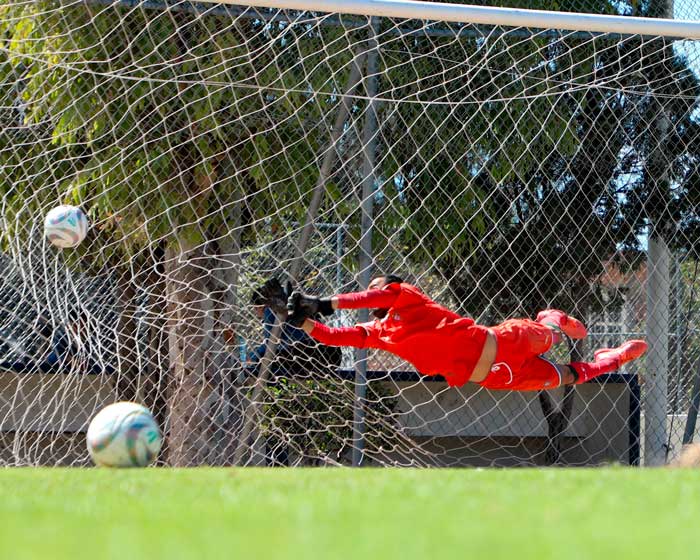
(392,279)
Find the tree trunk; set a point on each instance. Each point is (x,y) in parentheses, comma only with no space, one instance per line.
(128,374)
(155,362)
(189,326)
(226,368)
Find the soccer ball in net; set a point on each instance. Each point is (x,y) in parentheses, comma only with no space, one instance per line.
(124,434)
(66,226)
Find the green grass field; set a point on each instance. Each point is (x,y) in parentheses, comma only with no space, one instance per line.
(345,513)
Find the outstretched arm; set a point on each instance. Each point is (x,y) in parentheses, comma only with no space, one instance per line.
(331,336)
(369,299)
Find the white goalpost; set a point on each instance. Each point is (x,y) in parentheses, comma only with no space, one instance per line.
(490,15)
(503,160)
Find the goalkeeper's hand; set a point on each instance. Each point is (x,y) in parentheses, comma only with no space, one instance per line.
(275,296)
(302,306)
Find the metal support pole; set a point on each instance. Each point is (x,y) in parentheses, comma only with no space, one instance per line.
(677,355)
(339,250)
(327,165)
(656,383)
(678,330)
(658,292)
(251,412)
(369,143)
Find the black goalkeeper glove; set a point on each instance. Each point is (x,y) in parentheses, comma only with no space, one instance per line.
(271,294)
(302,306)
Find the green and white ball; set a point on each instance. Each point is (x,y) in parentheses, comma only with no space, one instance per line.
(66,226)
(124,434)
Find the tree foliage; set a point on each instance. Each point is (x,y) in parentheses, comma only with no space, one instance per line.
(522,177)
(511,165)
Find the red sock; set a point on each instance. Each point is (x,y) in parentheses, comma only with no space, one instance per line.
(588,370)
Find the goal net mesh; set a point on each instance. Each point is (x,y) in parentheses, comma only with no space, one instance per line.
(501,170)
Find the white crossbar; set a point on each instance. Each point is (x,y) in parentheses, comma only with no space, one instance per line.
(510,17)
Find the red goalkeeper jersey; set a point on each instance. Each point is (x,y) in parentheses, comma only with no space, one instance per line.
(432,338)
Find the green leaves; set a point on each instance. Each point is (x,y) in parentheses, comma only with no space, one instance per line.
(164,123)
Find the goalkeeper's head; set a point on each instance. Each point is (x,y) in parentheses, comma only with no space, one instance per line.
(379,282)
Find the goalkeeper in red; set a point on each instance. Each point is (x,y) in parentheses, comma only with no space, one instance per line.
(439,342)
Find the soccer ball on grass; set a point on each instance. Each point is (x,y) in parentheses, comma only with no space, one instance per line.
(124,434)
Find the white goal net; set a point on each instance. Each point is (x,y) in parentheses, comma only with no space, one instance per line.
(501,169)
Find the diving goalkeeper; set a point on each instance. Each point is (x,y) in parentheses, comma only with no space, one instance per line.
(439,342)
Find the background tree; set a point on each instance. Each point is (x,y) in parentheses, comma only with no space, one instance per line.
(138,121)
(511,167)
(521,187)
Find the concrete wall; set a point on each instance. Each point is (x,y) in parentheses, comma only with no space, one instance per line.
(469,426)
(51,402)
(43,418)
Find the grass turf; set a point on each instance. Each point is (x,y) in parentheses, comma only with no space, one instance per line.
(351,514)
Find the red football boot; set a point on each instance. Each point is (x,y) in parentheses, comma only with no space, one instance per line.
(630,350)
(571,327)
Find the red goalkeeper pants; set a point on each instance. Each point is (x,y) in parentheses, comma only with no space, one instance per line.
(519,365)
